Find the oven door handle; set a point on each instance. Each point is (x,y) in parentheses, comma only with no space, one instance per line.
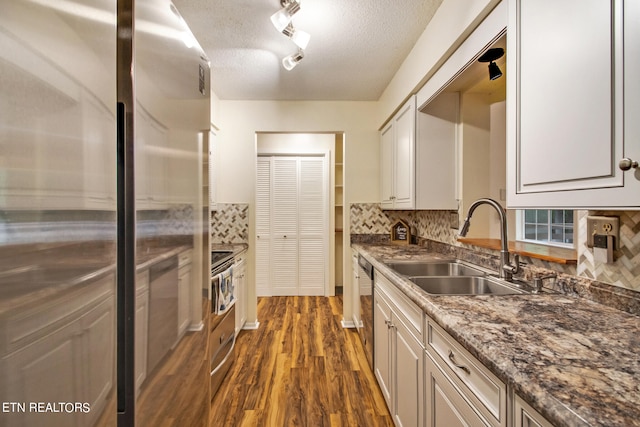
(226,357)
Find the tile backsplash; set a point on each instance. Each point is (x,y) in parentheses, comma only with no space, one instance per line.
(230,224)
(624,272)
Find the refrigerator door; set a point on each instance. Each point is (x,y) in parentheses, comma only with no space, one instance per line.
(171,112)
(57,212)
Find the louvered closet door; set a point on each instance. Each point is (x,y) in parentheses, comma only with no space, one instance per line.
(263,227)
(312,226)
(284,226)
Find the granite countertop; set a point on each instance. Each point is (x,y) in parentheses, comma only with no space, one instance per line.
(573,360)
(236,248)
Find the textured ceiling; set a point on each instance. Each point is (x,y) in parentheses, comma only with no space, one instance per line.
(356,46)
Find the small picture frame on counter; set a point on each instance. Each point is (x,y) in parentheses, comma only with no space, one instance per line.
(400,233)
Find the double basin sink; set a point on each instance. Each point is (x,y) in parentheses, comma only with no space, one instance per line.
(455,278)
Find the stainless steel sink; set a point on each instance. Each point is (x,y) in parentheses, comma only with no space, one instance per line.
(465,285)
(434,268)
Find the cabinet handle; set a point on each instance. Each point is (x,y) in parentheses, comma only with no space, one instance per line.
(626,164)
(452,357)
(388,323)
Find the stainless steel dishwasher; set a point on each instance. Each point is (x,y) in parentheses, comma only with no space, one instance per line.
(163,310)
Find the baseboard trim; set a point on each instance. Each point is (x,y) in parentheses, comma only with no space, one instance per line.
(348,324)
(251,326)
(196,328)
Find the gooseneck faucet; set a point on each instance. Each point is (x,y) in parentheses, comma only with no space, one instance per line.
(507,270)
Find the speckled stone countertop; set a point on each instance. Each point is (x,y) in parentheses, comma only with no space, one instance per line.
(574,361)
(236,248)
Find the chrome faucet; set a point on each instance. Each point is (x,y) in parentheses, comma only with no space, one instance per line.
(507,270)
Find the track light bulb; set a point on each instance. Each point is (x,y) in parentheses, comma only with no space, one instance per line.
(300,38)
(292,60)
(283,17)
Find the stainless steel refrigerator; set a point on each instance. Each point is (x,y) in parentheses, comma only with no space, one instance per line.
(104,224)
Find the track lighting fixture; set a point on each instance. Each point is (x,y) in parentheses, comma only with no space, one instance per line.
(282,21)
(283,17)
(292,60)
(490,56)
(300,38)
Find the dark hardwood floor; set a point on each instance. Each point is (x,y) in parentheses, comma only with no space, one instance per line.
(300,368)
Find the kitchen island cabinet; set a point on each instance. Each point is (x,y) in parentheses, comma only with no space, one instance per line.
(573,104)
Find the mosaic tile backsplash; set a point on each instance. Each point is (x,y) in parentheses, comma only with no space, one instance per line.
(624,272)
(230,224)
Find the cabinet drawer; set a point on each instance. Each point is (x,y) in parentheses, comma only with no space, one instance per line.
(410,314)
(184,257)
(473,378)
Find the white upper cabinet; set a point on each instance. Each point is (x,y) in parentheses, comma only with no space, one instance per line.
(417,152)
(571,103)
(398,142)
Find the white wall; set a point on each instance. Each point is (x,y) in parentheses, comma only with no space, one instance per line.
(239,123)
(296,143)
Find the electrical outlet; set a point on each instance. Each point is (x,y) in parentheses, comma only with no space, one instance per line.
(603,226)
(454,220)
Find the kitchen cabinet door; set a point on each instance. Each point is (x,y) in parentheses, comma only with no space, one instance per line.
(142,325)
(409,378)
(355,290)
(418,156)
(526,416)
(397,157)
(383,345)
(386,166)
(404,156)
(184,292)
(446,406)
(34,373)
(99,350)
(572,104)
(240,284)
(398,364)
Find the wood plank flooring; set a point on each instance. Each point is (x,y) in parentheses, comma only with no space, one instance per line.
(300,368)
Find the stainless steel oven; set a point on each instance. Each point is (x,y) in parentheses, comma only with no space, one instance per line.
(222,324)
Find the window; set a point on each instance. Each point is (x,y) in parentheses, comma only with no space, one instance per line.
(546,226)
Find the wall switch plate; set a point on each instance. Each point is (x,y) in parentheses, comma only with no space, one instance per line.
(603,226)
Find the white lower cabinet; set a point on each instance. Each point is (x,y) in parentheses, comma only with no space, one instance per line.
(61,350)
(425,376)
(398,360)
(473,383)
(445,404)
(526,416)
(240,284)
(141,327)
(184,291)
